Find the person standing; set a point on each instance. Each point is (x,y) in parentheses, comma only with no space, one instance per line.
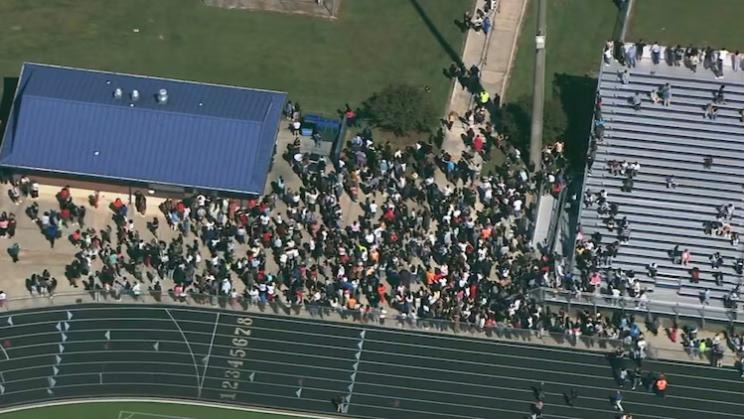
(537,409)
(631,54)
(636,376)
(640,48)
(655,53)
(722,56)
(666,94)
(81,216)
(735,61)
(14,251)
(617,401)
(686,256)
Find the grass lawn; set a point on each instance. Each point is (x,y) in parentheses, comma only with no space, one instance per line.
(577,31)
(137,410)
(320,63)
(710,22)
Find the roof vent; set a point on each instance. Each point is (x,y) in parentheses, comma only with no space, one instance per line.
(118,93)
(135,95)
(162,96)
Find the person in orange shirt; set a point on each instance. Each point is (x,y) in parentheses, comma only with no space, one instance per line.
(486,232)
(430,277)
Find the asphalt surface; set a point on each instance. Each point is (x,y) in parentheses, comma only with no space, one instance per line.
(291,363)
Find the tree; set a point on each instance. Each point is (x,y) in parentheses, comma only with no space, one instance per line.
(401,108)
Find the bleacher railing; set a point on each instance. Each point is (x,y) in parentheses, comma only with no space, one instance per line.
(702,312)
(587,170)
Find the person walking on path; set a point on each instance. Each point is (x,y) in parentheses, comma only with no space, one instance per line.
(14,251)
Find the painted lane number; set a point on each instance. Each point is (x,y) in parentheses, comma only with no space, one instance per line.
(237,355)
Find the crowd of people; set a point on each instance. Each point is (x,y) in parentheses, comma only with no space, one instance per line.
(716,60)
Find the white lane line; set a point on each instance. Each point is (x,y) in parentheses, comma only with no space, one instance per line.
(355,367)
(188,345)
(461,361)
(433,335)
(507,366)
(7,357)
(419,345)
(157,415)
(209,353)
(412,377)
(125,414)
(166,400)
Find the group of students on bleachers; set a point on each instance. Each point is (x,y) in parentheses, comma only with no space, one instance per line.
(593,257)
(715,60)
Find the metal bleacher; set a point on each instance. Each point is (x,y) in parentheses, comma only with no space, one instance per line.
(666,141)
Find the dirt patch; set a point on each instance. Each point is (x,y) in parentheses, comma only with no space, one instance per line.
(320,8)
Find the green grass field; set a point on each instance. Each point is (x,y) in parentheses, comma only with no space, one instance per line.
(139,410)
(710,22)
(323,64)
(577,31)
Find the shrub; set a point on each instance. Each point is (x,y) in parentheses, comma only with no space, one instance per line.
(401,109)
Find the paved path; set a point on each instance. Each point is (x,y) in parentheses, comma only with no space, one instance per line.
(493,53)
(301,365)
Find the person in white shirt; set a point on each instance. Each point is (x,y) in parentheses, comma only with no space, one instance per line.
(722,56)
(655,53)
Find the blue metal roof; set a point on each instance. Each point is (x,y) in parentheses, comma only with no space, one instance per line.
(67,120)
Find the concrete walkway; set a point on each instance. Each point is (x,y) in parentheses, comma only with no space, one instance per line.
(494,54)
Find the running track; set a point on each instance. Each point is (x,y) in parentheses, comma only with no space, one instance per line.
(290,363)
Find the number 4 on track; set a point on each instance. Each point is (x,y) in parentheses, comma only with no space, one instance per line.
(235,364)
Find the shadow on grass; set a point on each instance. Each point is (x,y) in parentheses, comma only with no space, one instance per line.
(9,89)
(567,116)
(576,95)
(454,55)
(514,119)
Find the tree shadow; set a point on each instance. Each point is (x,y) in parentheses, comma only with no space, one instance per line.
(576,95)
(514,120)
(454,55)
(9,90)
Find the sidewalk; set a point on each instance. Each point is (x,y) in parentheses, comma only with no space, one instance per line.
(493,53)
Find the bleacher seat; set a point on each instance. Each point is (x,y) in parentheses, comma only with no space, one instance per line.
(671,141)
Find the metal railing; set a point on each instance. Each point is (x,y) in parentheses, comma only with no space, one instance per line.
(675,310)
(580,201)
(555,217)
(372,317)
(502,332)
